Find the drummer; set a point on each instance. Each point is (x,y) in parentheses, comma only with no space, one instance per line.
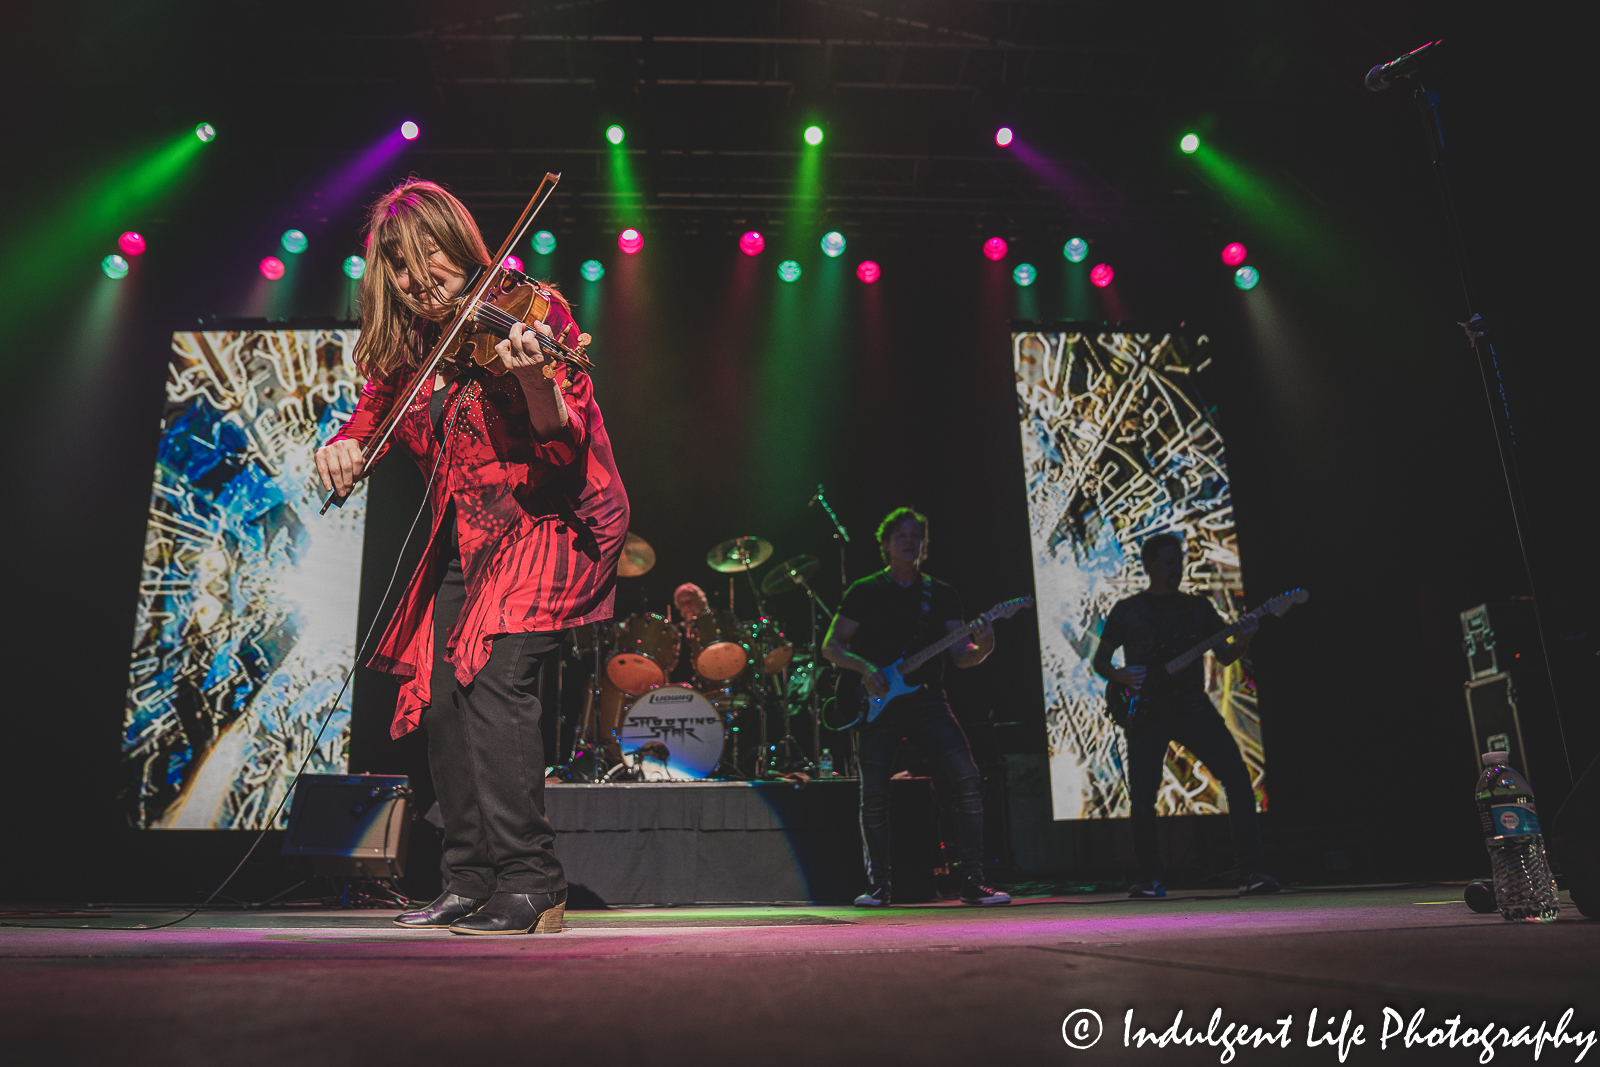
(690,600)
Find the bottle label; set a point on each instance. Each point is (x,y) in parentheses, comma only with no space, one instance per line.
(1513,820)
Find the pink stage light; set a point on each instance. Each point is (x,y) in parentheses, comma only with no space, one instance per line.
(1101,275)
(1234,254)
(995,248)
(272,268)
(1003,136)
(410,130)
(868,271)
(511,263)
(630,241)
(752,243)
(132,244)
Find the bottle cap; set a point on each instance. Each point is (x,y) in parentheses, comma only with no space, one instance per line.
(1490,759)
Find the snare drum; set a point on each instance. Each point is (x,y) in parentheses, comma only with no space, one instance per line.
(679,720)
(646,650)
(714,643)
(768,647)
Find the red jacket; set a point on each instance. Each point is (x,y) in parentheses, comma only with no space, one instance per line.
(540,523)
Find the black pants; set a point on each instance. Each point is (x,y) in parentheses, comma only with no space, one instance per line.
(926,718)
(1193,722)
(487,758)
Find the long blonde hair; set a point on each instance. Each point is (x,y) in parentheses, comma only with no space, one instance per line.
(404,228)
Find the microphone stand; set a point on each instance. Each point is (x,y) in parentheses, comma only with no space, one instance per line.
(841,535)
(1477,330)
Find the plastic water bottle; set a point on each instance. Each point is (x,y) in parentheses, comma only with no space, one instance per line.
(825,765)
(1523,886)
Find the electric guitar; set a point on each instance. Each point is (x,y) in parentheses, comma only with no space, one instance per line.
(1123,703)
(853,695)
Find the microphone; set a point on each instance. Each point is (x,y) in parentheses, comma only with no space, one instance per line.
(815,496)
(1384,75)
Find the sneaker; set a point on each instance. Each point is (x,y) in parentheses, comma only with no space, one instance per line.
(973,891)
(876,897)
(1258,884)
(1151,887)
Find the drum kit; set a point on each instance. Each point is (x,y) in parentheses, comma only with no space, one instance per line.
(639,725)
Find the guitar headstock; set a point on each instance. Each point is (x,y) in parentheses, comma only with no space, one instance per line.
(1281,603)
(1006,609)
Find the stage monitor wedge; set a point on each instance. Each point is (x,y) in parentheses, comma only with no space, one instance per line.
(350,825)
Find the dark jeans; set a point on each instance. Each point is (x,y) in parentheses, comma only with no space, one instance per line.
(487,758)
(926,718)
(1193,722)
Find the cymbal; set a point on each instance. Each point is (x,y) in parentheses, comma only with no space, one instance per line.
(637,557)
(739,554)
(789,574)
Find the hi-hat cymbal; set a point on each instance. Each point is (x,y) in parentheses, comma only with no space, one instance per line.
(789,574)
(637,557)
(739,554)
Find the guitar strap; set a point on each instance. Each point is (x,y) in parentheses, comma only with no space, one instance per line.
(927,602)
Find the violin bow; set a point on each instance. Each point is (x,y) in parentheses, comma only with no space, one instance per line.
(547,185)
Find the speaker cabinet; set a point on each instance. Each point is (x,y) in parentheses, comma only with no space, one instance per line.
(349,825)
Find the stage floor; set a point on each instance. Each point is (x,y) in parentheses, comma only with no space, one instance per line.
(931,984)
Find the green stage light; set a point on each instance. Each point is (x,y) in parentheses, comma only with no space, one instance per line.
(1246,277)
(833,244)
(1076,250)
(591,270)
(355,267)
(813,135)
(1189,143)
(789,270)
(115,266)
(544,242)
(294,241)
(1024,274)
(206,132)
(614,134)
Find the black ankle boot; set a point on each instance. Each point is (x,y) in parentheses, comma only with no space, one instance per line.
(516,913)
(441,913)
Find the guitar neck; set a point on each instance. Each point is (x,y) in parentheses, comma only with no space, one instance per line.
(1215,640)
(949,639)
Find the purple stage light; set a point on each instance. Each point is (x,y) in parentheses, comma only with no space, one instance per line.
(410,130)
(995,248)
(1101,275)
(630,241)
(272,268)
(131,244)
(868,271)
(1003,136)
(1234,254)
(511,263)
(752,243)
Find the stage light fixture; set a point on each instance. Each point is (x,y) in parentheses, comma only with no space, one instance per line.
(813,135)
(1101,275)
(355,267)
(272,268)
(1234,254)
(1189,143)
(591,270)
(833,244)
(294,242)
(544,242)
(206,132)
(1024,274)
(868,271)
(789,270)
(410,130)
(1003,136)
(630,241)
(995,248)
(115,266)
(1076,250)
(614,134)
(511,263)
(131,244)
(1246,277)
(752,243)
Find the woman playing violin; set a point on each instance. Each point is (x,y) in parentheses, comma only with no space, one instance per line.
(529,519)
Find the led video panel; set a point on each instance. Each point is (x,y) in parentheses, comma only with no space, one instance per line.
(246,622)
(1118,445)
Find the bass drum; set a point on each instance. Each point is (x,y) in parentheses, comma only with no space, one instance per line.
(714,641)
(646,650)
(672,733)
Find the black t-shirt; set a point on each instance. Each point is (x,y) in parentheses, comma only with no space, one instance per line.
(1146,626)
(892,623)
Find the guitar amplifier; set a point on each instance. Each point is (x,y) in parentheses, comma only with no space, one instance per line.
(349,825)
(1496,726)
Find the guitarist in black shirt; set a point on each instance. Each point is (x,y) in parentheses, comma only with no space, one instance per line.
(882,617)
(1153,627)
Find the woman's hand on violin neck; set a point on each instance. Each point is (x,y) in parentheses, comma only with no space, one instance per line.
(521,355)
(340,465)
